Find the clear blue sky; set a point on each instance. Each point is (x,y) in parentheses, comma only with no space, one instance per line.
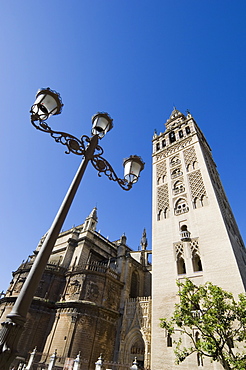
(135,60)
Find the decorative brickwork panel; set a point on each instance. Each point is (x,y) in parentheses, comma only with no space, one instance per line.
(197,186)
(190,156)
(161,169)
(194,247)
(174,148)
(162,197)
(179,250)
(222,199)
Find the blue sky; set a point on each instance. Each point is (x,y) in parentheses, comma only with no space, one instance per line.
(135,60)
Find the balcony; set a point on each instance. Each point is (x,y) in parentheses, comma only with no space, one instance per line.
(178,190)
(181,209)
(175,163)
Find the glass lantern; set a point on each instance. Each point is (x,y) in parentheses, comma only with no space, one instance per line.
(132,168)
(48,102)
(101,124)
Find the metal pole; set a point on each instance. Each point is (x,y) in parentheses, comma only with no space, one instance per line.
(13,326)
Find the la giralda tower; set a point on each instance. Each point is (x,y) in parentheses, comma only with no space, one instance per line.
(194,232)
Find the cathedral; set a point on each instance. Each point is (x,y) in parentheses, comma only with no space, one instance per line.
(100,296)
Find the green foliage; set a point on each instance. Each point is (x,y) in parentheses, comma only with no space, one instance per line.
(219,320)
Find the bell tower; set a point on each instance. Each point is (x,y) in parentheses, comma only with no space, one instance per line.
(194,232)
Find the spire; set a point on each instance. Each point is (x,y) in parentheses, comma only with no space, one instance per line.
(93,214)
(175,117)
(144,241)
(91,221)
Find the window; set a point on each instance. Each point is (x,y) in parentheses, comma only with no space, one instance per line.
(175,173)
(181,134)
(172,137)
(178,187)
(181,207)
(163,143)
(134,292)
(196,262)
(181,265)
(174,161)
(169,340)
(187,129)
(157,146)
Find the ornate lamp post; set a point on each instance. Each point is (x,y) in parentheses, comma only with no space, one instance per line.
(48,103)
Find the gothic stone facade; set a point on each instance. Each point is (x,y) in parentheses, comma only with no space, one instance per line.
(93,298)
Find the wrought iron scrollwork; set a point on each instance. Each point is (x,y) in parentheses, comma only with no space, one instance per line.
(78,146)
(73,144)
(103,166)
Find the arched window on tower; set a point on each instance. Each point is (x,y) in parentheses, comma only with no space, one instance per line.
(195,165)
(181,264)
(175,173)
(181,206)
(200,202)
(174,161)
(196,262)
(172,137)
(169,340)
(178,187)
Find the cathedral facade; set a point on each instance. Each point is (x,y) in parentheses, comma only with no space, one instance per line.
(98,296)
(94,297)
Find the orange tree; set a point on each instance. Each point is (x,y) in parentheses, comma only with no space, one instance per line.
(219,319)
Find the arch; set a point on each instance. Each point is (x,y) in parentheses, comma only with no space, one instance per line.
(181,268)
(204,200)
(158,180)
(188,168)
(195,165)
(134,347)
(166,213)
(181,206)
(196,262)
(178,187)
(134,290)
(175,173)
(172,137)
(174,160)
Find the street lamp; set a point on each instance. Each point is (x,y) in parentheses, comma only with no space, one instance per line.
(48,102)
